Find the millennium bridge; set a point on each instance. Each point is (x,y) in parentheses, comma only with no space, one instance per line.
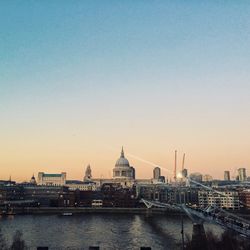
(210,214)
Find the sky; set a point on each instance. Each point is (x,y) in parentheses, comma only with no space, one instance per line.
(81,79)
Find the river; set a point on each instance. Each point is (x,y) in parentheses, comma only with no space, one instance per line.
(105,230)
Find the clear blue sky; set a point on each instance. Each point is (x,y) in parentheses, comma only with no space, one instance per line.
(152,75)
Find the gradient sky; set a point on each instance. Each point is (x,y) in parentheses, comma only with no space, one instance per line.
(79,79)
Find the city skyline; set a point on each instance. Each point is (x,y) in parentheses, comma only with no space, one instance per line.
(78,81)
(167,172)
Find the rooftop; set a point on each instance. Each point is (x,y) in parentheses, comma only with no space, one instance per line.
(52,175)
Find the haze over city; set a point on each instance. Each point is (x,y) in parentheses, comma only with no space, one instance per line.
(79,81)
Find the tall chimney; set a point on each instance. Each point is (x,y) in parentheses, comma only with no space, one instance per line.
(183,162)
(175,165)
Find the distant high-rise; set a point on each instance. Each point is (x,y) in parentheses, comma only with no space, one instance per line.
(196,177)
(226,176)
(207,178)
(242,174)
(184,173)
(156,173)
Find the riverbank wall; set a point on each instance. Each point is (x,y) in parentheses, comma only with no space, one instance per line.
(105,210)
(86,210)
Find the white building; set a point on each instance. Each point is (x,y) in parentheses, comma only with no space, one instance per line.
(81,185)
(51,179)
(123,174)
(122,169)
(228,199)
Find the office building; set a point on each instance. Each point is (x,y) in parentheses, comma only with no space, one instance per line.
(156,173)
(226,176)
(242,174)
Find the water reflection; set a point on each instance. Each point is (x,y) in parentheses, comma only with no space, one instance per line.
(108,231)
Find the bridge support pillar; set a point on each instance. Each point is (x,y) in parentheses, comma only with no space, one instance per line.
(149,212)
(199,239)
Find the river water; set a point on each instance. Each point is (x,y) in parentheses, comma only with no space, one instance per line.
(107,231)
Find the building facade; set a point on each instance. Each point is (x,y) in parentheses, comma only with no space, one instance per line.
(51,179)
(81,185)
(46,195)
(245,198)
(227,199)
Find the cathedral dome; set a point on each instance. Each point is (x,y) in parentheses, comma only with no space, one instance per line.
(122,161)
